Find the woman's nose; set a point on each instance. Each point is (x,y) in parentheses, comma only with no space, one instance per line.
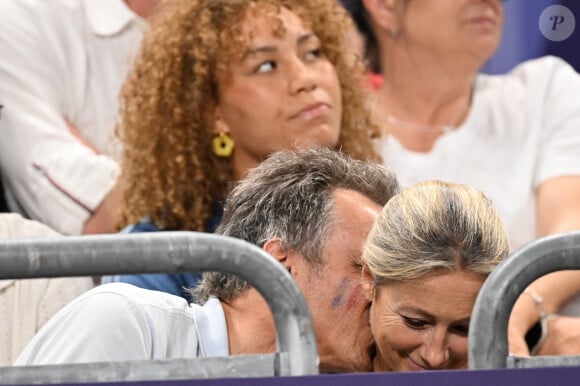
(435,350)
(301,77)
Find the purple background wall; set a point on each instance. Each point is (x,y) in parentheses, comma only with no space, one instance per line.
(523,38)
(565,376)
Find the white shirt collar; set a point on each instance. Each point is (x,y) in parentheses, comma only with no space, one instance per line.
(109,17)
(212,330)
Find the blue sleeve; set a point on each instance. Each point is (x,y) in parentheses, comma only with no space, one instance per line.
(175,284)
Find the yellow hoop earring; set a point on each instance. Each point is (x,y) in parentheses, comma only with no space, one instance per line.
(223,145)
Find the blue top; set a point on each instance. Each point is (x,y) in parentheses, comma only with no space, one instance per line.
(176,283)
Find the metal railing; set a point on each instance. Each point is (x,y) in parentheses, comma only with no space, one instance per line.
(168,252)
(488,344)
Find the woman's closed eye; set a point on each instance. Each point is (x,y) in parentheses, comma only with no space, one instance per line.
(461,329)
(415,323)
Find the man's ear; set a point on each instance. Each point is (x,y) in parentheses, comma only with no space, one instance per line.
(368,282)
(286,257)
(274,248)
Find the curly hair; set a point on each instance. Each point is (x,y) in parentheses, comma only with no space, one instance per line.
(168,105)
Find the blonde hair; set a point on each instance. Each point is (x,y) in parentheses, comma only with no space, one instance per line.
(170,98)
(431,226)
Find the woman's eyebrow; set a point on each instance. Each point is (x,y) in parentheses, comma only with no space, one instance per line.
(304,38)
(270,49)
(416,311)
(426,315)
(258,50)
(463,321)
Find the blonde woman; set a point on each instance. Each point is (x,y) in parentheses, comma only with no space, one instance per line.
(425,261)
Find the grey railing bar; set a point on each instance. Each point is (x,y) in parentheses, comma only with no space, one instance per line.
(515,362)
(240,366)
(488,346)
(172,252)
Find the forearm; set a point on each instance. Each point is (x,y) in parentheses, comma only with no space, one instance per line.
(558,212)
(64,189)
(557,182)
(551,291)
(104,218)
(558,202)
(557,289)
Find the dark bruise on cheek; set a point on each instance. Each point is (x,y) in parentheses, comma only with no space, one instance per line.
(338,300)
(342,298)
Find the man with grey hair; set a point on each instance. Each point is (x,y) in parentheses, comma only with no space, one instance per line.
(311,210)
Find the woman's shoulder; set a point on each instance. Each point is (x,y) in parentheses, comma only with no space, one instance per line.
(533,75)
(548,62)
(545,70)
(537,86)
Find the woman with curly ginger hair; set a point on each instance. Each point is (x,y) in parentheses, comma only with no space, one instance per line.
(217,87)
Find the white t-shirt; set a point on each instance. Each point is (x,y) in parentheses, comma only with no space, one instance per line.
(121,322)
(523,129)
(62,61)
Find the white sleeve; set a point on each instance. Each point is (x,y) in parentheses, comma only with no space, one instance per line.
(100,326)
(53,177)
(559,152)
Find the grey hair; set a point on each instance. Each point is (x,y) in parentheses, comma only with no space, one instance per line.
(431,226)
(289,197)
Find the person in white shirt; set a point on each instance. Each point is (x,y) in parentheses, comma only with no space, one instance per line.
(311,210)
(64,62)
(515,137)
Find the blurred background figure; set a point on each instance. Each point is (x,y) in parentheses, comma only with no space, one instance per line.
(514,137)
(25,305)
(62,69)
(424,263)
(218,86)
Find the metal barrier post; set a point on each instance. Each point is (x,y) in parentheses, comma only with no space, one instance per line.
(488,345)
(172,252)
